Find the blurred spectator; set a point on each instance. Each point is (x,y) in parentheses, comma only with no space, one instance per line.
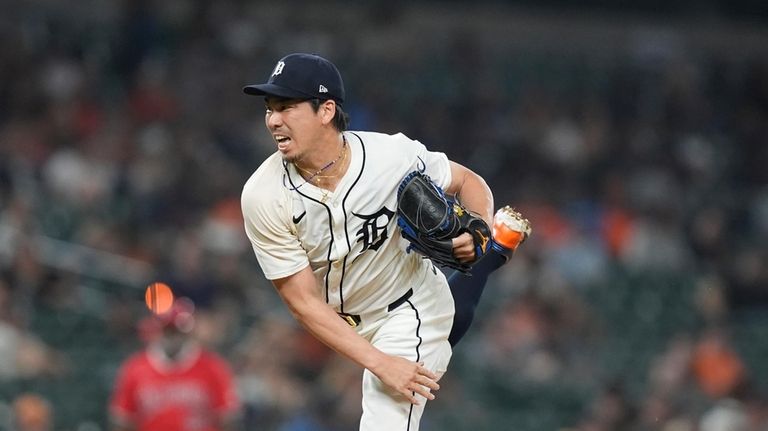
(265,361)
(22,353)
(522,340)
(717,367)
(726,415)
(175,384)
(32,412)
(610,410)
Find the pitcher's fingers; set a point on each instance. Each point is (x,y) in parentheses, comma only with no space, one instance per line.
(430,383)
(461,241)
(411,396)
(423,391)
(426,372)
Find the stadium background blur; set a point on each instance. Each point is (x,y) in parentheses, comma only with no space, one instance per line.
(634,136)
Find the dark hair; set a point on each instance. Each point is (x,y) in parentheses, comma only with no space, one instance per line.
(340,119)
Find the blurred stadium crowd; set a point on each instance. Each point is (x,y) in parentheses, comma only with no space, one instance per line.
(639,303)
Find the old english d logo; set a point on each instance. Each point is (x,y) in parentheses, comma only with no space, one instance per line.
(278,68)
(373,233)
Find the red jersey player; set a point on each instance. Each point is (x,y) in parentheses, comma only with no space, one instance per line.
(175,384)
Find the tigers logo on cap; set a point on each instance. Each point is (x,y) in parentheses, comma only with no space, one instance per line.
(278,68)
(302,76)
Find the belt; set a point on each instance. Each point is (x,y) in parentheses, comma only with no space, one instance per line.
(354,320)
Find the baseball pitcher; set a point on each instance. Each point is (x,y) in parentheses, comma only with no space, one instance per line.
(349,227)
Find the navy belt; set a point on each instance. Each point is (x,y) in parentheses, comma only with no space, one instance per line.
(354,320)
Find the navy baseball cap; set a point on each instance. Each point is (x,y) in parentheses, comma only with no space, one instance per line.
(302,76)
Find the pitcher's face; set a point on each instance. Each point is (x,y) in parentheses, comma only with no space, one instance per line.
(294,126)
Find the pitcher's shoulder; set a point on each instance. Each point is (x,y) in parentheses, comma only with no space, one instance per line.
(388,145)
(266,182)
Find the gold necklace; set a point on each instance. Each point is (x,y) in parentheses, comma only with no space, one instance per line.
(316,177)
(342,154)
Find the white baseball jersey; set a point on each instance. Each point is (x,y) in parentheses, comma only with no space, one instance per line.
(351,241)
(350,236)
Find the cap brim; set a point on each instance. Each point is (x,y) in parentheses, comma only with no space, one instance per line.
(274,90)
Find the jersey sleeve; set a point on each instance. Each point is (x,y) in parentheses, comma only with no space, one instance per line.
(268,225)
(122,404)
(224,392)
(434,163)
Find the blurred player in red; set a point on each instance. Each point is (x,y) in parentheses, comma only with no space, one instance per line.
(175,384)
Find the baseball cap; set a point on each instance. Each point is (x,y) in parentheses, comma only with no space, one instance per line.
(302,76)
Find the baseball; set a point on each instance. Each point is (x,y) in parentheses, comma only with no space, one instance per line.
(158,297)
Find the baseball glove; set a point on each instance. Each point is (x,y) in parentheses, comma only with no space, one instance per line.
(429,220)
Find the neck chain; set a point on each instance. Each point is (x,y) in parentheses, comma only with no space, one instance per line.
(314,175)
(317,175)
